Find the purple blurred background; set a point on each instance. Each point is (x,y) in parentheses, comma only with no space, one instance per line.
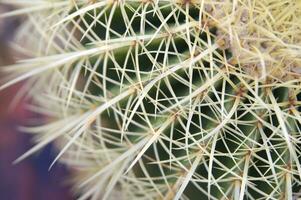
(30,179)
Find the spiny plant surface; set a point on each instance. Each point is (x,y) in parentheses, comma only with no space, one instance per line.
(166,99)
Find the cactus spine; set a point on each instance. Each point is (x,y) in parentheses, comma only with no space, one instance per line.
(167,99)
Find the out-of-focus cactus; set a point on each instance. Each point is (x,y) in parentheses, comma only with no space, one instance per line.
(166,99)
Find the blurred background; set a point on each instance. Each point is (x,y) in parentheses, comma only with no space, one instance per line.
(30,179)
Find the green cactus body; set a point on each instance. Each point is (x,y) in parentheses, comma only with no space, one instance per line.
(167,99)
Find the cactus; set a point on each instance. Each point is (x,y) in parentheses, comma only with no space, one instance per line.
(166,99)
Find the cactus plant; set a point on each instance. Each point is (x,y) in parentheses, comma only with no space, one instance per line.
(166,99)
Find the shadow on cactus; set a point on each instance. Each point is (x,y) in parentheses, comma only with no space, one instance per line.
(166,99)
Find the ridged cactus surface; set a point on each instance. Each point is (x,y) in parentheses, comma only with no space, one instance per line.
(166,99)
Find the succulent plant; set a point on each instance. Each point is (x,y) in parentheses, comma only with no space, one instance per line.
(166,99)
